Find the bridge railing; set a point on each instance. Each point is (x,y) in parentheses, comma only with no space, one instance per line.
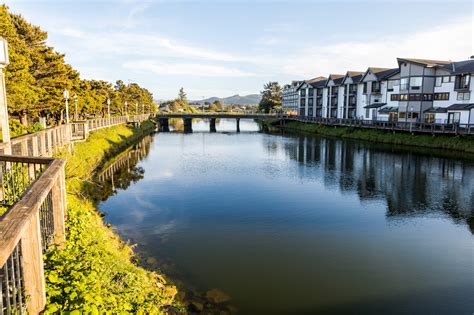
(33,202)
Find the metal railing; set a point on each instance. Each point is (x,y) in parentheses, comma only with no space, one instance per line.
(421,127)
(34,200)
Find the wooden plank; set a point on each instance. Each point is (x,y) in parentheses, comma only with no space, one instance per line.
(33,268)
(58,194)
(15,221)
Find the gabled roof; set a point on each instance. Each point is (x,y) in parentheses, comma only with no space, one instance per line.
(423,62)
(310,81)
(380,73)
(375,105)
(319,84)
(336,78)
(459,67)
(354,75)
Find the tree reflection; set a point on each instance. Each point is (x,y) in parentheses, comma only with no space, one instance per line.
(410,183)
(122,171)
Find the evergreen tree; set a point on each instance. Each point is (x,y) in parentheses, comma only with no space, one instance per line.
(271,97)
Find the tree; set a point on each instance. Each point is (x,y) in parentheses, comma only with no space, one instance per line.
(218,104)
(182,95)
(271,97)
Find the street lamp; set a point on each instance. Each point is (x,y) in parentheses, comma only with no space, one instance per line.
(75,106)
(66,97)
(4,61)
(108,109)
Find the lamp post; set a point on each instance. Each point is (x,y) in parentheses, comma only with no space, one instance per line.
(411,117)
(108,109)
(66,97)
(75,106)
(4,61)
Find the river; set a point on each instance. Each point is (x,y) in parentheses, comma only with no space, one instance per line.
(292,224)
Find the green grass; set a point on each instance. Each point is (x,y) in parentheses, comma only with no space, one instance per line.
(94,271)
(457,143)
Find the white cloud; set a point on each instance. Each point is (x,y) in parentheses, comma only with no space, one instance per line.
(451,41)
(70,32)
(185,69)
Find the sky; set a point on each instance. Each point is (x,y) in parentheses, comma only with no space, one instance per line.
(223,48)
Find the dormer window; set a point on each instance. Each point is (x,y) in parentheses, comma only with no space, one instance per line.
(462,82)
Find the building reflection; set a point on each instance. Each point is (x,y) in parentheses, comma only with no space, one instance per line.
(122,170)
(409,183)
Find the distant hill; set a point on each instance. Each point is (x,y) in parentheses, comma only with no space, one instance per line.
(233,100)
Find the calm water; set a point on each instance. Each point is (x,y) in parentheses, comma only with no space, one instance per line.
(301,224)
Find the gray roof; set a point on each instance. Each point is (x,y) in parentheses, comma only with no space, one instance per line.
(459,67)
(425,62)
(319,84)
(375,105)
(461,106)
(390,109)
(436,110)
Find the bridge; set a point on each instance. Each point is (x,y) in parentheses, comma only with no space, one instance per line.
(163,119)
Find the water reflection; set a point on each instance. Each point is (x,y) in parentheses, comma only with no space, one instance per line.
(410,183)
(297,224)
(121,171)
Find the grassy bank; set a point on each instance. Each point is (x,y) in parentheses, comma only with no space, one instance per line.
(94,271)
(458,143)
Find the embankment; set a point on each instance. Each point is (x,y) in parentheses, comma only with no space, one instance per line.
(457,143)
(95,271)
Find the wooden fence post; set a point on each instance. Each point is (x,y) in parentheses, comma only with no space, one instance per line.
(33,268)
(58,197)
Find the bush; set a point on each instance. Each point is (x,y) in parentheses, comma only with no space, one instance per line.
(35,127)
(16,128)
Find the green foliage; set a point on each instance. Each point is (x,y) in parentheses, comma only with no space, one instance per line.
(35,127)
(16,128)
(93,272)
(37,76)
(271,97)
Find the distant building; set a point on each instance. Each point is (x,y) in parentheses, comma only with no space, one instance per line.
(419,90)
(289,97)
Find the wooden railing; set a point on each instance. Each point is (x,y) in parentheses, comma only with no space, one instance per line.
(407,126)
(33,194)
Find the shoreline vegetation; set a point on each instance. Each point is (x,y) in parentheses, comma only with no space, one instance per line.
(94,271)
(457,144)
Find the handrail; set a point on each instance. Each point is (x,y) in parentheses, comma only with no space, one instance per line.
(34,221)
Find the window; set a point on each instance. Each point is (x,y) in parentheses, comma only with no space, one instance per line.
(414,97)
(311,92)
(310,102)
(367,112)
(395,97)
(429,118)
(446,79)
(415,82)
(391,84)
(365,88)
(403,97)
(302,102)
(303,92)
(441,96)
(464,96)
(427,97)
(462,82)
(404,84)
(438,81)
(402,115)
(375,87)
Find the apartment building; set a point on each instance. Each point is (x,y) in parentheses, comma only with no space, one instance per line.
(419,90)
(290,98)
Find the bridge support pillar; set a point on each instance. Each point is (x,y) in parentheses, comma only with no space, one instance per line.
(212,125)
(188,125)
(164,124)
(238,124)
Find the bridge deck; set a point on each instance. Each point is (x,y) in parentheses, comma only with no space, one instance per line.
(218,115)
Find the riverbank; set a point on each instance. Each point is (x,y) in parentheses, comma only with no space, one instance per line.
(457,143)
(95,271)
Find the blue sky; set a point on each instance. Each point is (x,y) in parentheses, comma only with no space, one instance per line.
(222,48)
